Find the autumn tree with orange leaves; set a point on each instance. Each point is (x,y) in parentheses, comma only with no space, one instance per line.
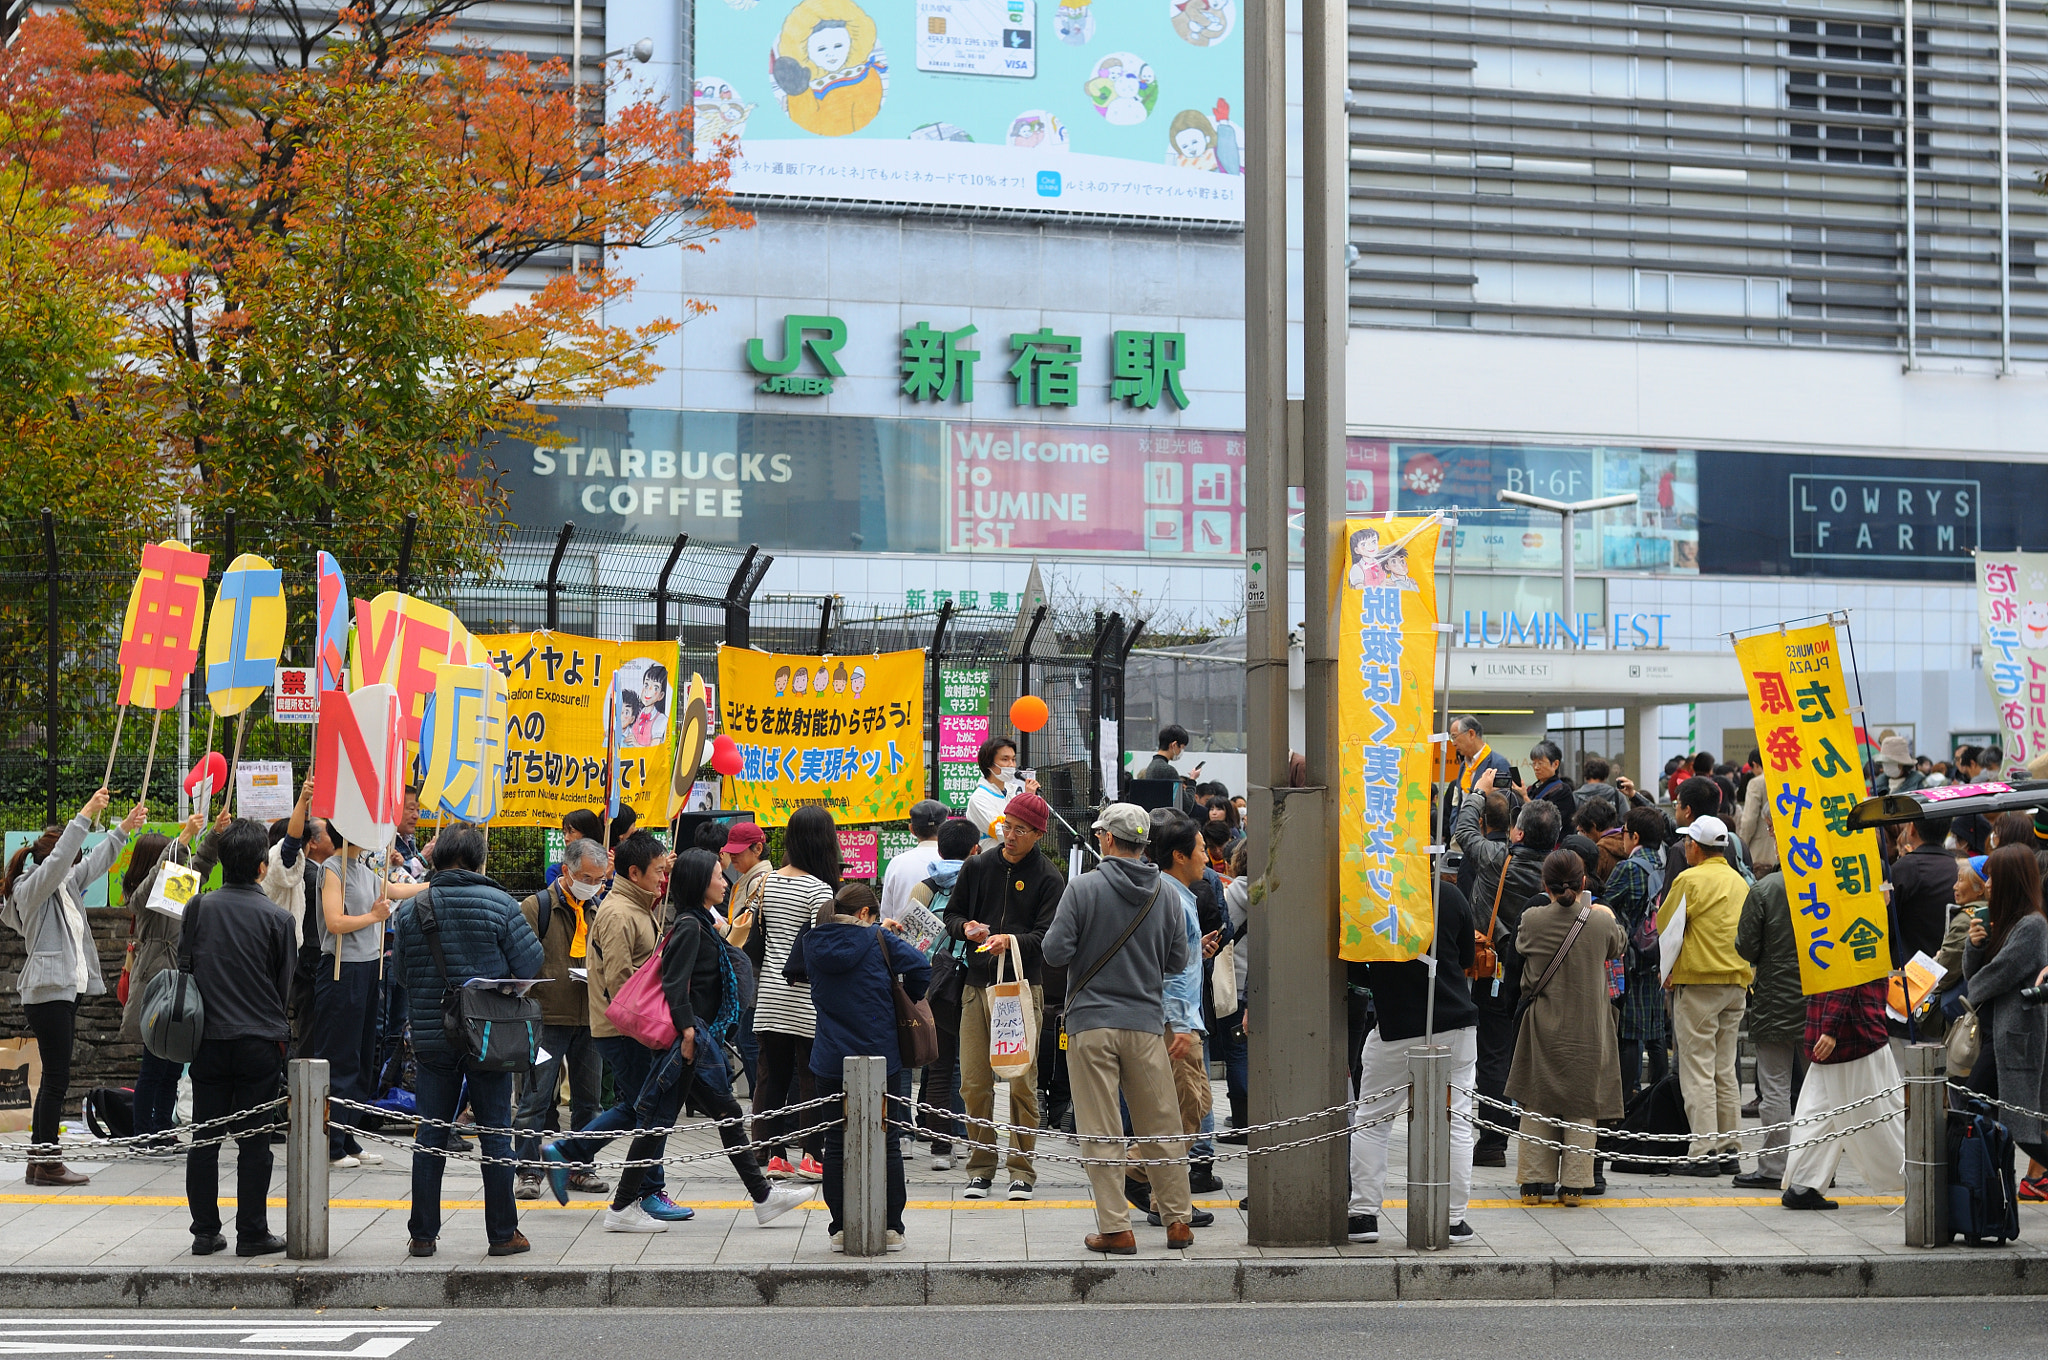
(322,255)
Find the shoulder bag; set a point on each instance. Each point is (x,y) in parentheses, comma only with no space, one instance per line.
(917,1033)
(1965,1041)
(493,1031)
(1074,991)
(173,1014)
(1486,963)
(1571,938)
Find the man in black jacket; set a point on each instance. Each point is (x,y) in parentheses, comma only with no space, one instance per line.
(1923,889)
(239,946)
(1401,996)
(1009,893)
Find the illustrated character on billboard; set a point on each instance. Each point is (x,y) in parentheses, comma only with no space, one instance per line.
(860,680)
(2034,624)
(1037,130)
(1074,21)
(1123,88)
(830,73)
(803,679)
(643,703)
(1204,23)
(781,681)
(720,112)
(839,678)
(819,681)
(1206,141)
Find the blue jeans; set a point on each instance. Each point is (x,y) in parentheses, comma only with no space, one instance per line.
(156,1093)
(440,1091)
(708,1087)
(835,1158)
(630,1063)
(569,1044)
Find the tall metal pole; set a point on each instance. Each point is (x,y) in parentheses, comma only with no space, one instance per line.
(1571,619)
(185,695)
(576,115)
(1298,1197)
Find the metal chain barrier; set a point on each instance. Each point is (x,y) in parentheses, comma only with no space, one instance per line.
(1630,1136)
(1961,1089)
(459,1154)
(1647,1158)
(150,1146)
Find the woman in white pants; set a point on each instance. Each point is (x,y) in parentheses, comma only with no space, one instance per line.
(1846,1044)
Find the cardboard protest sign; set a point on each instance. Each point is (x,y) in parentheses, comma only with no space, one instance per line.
(560,694)
(462,743)
(1387,646)
(842,733)
(1799,697)
(331,653)
(161,626)
(244,635)
(401,641)
(359,764)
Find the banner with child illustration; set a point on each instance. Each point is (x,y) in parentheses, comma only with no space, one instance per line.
(1386,667)
(843,733)
(1834,877)
(556,723)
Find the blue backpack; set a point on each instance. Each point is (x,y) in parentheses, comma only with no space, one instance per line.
(1983,1194)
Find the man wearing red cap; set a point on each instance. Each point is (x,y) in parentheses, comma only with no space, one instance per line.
(1005,900)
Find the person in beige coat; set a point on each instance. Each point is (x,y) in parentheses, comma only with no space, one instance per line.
(1567,1061)
(1753,824)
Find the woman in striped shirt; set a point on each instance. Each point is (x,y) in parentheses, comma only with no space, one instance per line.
(783,1019)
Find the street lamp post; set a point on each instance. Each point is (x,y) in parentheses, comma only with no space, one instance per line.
(1566,510)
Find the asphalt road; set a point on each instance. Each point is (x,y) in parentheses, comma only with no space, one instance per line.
(1983,1329)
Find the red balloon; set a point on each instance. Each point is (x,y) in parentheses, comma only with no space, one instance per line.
(725,755)
(211,766)
(1029,713)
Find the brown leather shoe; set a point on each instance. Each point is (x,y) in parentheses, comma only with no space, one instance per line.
(1179,1237)
(1112,1244)
(55,1173)
(511,1246)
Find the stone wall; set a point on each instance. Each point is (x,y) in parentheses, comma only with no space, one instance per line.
(98,1057)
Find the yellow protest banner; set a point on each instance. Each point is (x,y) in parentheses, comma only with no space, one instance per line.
(1386,667)
(1799,696)
(842,733)
(555,723)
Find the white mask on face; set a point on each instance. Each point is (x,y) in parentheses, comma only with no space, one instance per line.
(583,892)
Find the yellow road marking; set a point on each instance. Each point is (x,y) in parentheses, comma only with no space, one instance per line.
(591,1205)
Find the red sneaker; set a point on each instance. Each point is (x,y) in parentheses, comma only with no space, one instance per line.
(2035,1189)
(778,1169)
(810,1170)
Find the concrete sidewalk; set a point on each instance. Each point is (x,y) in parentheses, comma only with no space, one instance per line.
(125,1240)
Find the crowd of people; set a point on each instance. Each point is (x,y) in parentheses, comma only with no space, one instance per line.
(1548,990)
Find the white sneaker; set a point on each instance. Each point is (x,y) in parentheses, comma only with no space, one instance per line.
(370,1158)
(632,1219)
(894,1240)
(344,1162)
(781,1199)
(942,1161)
(839,1241)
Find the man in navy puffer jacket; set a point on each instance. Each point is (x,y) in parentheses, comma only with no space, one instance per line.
(483,935)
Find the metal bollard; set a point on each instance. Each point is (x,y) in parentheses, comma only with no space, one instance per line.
(305,1160)
(1429,1148)
(1925,1069)
(865,1179)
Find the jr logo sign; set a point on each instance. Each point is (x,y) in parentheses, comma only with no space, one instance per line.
(824,336)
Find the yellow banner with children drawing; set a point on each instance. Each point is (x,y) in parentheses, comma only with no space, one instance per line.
(842,733)
(1386,669)
(559,687)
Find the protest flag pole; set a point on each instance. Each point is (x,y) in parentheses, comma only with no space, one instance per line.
(241,726)
(149,764)
(343,876)
(120,714)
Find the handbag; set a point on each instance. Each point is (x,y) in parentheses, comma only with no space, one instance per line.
(917,1033)
(1571,938)
(1223,980)
(639,1010)
(173,1014)
(1012,1019)
(1964,1043)
(493,1031)
(1485,962)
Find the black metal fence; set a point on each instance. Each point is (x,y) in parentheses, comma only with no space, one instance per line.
(63,585)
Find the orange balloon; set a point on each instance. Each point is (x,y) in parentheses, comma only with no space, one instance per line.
(1029,713)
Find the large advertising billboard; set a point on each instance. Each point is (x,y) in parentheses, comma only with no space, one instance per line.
(1128,108)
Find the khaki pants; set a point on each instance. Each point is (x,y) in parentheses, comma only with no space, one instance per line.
(1194,1095)
(978,1091)
(1100,1062)
(1704,1021)
(1539,1165)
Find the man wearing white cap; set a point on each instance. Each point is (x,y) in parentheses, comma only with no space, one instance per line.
(1709,982)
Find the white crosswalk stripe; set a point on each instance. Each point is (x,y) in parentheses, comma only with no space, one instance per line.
(142,1338)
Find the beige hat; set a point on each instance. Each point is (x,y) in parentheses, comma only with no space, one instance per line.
(2038,766)
(1894,750)
(1127,822)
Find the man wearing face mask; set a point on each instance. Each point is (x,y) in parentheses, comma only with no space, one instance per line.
(558,914)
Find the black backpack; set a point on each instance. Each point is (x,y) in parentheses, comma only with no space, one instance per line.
(1656,1108)
(1983,1192)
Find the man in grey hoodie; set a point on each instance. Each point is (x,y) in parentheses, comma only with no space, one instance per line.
(1118,934)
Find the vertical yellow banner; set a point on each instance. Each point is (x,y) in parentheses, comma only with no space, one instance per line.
(1386,668)
(1799,696)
